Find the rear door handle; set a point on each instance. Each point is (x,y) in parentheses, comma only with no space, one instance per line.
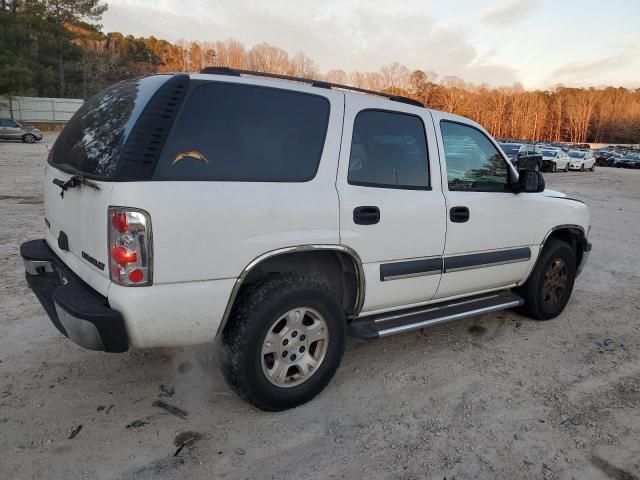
(459,214)
(366,215)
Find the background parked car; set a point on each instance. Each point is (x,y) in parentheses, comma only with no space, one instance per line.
(554,159)
(529,157)
(605,158)
(630,160)
(510,150)
(12,130)
(581,160)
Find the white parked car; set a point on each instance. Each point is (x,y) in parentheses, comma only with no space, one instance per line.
(280,217)
(581,160)
(554,159)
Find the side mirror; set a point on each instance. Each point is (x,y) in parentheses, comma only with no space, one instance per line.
(530,181)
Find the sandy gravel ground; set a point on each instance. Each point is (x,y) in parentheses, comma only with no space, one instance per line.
(497,397)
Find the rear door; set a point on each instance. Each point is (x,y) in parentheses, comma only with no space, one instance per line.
(392,210)
(91,144)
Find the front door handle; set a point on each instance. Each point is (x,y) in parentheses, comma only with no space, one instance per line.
(459,214)
(366,215)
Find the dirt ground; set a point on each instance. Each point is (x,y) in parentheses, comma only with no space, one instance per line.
(496,397)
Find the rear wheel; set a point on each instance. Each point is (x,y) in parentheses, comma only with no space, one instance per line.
(548,289)
(28,138)
(284,342)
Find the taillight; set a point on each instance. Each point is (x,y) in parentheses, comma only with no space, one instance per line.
(130,247)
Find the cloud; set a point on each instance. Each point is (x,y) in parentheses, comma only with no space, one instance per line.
(492,73)
(603,69)
(347,34)
(506,14)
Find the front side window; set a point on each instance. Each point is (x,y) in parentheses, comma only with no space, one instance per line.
(245,133)
(5,122)
(473,162)
(388,150)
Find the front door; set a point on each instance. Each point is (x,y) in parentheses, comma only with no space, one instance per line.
(9,129)
(392,211)
(489,241)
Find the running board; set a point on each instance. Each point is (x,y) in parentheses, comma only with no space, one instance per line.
(390,323)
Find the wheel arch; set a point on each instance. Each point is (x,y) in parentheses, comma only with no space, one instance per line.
(572,234)
(336,260)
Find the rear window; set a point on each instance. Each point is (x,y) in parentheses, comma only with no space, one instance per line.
(93,139)
(232,132)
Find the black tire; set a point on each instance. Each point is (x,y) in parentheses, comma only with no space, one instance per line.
(582,167)
(553,167)
(28,138)
(252,318)
(593,167)
(566,167)
(536,306)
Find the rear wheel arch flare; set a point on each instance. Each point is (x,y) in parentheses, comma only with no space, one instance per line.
(331,263)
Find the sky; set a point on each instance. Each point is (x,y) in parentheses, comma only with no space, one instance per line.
(538,43)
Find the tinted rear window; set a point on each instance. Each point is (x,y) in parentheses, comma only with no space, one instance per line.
(232,132)
(93,139)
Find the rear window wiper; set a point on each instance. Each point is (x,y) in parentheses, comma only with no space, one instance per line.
(76,180)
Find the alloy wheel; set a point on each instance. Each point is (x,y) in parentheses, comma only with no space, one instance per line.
(294,347)
(555,282)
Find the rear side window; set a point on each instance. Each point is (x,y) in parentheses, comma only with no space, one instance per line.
(93,139)
(232,132)
(388,150)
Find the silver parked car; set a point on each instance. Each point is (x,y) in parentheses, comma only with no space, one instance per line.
(12,130)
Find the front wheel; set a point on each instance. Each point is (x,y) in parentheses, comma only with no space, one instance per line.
(553,167)
(28,138)
(548,289)
(284,341)
(566,167)
(582,167)
(593,167)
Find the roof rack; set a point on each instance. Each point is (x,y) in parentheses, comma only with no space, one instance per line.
(315,83)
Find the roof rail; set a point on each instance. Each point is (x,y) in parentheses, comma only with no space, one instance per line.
(315,83)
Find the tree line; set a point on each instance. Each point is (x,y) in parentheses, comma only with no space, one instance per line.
(57,48)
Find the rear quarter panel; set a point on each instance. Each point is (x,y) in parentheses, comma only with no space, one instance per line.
(213,230)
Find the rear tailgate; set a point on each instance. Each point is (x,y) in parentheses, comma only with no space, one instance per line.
(105,135)
(81,216)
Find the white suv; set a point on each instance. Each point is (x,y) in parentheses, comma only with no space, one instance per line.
(280,216)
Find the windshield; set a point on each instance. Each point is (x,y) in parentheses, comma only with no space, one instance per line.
(94,137)
(549,153)
(575,154)
(510,148)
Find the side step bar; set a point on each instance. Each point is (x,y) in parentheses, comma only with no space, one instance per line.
(390,323)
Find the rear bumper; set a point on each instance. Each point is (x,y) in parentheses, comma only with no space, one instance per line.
(76,310)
